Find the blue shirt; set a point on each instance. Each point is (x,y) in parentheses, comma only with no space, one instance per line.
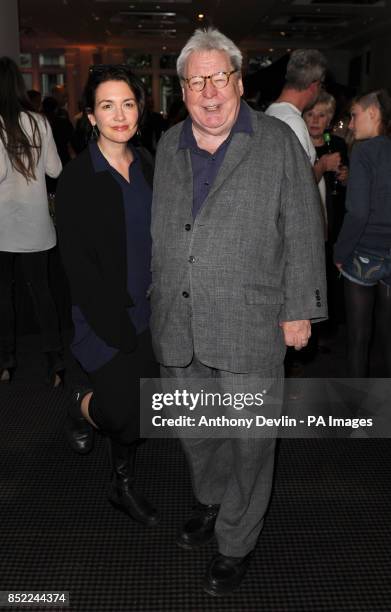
(206,165)
(89,349)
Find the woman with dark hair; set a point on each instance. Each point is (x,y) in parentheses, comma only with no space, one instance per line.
(103,207)
(27,152)
(363,249)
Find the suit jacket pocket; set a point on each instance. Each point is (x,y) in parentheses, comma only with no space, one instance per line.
(263,294)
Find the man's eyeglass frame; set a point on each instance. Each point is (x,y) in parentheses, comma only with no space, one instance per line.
(210,76)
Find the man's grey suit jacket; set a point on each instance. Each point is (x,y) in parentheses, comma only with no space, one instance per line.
(252,258)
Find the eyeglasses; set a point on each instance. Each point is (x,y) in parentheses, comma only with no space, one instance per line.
(218,80)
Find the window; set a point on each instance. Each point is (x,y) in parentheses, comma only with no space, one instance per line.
(170,90)
(50,58)
(168,61)
(147,81)
(28,80)
(48,81)
(137,61)
(26,60)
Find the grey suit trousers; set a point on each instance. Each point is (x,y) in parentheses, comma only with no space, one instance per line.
(236,473)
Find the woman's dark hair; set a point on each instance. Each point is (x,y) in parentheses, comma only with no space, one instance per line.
(112,72)
(382,100)
(23,151)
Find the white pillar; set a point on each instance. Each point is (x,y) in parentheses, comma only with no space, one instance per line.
(9,29)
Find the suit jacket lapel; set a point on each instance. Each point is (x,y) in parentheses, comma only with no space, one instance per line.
(237,149)
(185,177)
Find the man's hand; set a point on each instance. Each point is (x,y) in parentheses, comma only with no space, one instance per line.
(296,333)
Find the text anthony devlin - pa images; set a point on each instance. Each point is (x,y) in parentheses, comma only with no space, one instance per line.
(259,421)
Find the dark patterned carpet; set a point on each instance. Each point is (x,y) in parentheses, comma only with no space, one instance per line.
(325,545)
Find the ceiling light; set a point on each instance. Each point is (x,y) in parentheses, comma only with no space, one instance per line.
(200,16)
(282,33)
(271,50)
(164,48)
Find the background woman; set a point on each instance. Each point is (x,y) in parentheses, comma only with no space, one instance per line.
(363,249)
(103,215)
(27,152)
(333,165)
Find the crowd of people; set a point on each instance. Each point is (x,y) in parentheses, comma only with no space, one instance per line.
(209,260)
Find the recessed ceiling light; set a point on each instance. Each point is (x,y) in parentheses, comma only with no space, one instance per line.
(283,33)
(164,48)
(200,16)
(271,50)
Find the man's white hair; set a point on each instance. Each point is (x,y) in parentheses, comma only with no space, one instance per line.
(209,40)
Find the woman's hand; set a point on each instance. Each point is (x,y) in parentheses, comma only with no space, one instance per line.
(343,174)
(331,162)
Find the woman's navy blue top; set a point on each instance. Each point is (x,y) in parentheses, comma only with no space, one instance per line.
(367,223)
(88,348)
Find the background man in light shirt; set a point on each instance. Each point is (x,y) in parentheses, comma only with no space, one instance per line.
(304,78)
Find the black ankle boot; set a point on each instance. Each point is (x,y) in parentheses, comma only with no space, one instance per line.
(199,528)
(122,494)
(79,433)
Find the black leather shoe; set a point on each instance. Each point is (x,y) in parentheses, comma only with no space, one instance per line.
(79,433)
(225,574)
(199,529)
(122,493)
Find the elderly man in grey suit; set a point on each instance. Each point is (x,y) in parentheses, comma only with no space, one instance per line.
(238,274)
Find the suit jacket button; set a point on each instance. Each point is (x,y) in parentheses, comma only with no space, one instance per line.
(192,259)
(187,227)
(185,294)
(318,304)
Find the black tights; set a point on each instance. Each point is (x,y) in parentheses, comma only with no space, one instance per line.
(364,307)
(35,272)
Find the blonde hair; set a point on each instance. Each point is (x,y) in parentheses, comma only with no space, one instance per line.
(328,100)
